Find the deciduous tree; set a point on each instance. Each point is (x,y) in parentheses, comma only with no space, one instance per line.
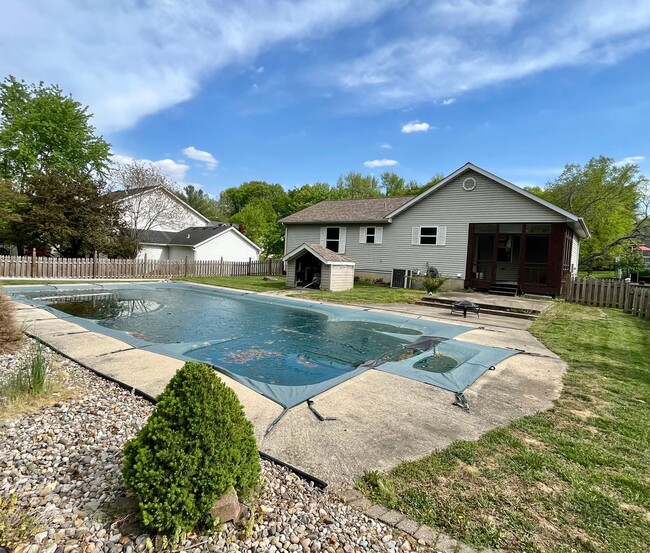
(613,201)
(44,131)
(355,185)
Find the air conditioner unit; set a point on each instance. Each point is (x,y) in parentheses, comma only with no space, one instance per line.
(401,278)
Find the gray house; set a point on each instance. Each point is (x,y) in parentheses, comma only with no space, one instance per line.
(474,227)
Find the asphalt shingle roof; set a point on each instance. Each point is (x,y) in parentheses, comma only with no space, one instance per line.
(328,255)
(348,211)
(192,236)
(155,236)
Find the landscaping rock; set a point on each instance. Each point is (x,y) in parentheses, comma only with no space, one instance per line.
(73,451)
(226,508)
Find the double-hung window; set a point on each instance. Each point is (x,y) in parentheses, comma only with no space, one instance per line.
(333,238)
(370,235)
(429,236)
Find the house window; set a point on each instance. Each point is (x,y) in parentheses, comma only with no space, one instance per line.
(429,236)
(370,235)
(333,238)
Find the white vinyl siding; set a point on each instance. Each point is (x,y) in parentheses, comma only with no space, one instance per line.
(429,236)
(371,235)
(450,207)
(228,246)
(332,238)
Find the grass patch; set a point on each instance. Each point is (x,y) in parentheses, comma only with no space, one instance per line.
(362,293)
(572,479)
(16,525)
(11,337)
(598,274)
(252,283)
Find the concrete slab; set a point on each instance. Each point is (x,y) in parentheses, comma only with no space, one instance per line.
(444,314)
(381,419)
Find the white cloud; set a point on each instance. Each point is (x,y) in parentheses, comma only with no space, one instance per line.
(508,40)
(260,69)
(448,101)
(635,160)
(416,126)
(201,155)
(386,146)
(380,163)
(173,169)
(127,60)
(461,13)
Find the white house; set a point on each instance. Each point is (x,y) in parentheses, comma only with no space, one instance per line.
(168,228)
(474,227)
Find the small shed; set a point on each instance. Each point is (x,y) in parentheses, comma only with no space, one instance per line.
(313,266)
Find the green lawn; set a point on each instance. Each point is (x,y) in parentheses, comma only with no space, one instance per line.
(252,283)
(598,274)
(573,479)
(361,293)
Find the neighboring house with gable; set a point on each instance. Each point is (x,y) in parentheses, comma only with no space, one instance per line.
(474,227)
(167,228)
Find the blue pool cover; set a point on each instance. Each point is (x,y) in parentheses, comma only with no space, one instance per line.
(287,350)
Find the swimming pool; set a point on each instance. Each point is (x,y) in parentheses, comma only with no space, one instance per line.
(287,350)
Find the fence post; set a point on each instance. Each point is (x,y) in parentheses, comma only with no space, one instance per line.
(186,265)
(33,262)
(95,264)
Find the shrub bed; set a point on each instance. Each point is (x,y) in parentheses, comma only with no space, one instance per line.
(195,446)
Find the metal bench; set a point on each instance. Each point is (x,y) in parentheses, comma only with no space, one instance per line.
(465,306)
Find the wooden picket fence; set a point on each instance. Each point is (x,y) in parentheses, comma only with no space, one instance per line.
(97,267)
(604,292)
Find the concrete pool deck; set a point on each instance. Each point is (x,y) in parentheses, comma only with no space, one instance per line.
(381,419)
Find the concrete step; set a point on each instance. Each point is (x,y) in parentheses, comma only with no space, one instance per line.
(487,308)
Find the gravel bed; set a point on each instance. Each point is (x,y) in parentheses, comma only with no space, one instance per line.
(64,462)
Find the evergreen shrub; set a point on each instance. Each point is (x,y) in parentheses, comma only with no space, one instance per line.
(196,445)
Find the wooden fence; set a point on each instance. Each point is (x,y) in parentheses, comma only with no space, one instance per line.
(97,267)
(604,292)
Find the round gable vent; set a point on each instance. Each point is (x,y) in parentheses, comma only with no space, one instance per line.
(469,184)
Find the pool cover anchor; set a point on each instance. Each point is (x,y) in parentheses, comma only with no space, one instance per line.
(321,418)
(461,401)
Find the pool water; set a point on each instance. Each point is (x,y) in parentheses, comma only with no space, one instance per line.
(285,349)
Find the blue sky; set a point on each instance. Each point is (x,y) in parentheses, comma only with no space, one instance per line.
(216,93)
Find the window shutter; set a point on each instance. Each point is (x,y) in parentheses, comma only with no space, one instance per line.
(342,240)
(323,236)
(442,236)
(378,234)
(362,235)
(415,236)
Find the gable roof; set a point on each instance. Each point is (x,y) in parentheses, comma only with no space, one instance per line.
(328,257)
(368,210)
(121,195)
(576,223)
(191,237)
(118,195)
(158,237)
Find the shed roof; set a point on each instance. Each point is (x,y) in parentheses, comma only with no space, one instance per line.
(368,210)
(323,254)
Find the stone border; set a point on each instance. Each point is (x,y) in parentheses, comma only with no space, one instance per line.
(425,535)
